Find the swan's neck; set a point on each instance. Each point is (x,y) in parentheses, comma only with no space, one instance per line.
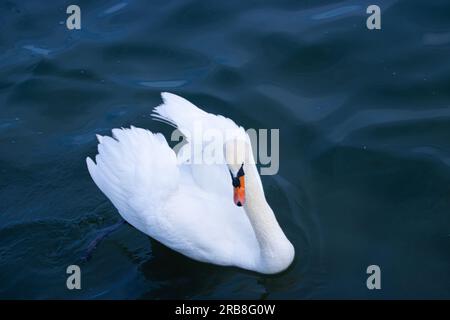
(276,252)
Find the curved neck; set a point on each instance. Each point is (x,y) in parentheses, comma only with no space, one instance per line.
(276,250)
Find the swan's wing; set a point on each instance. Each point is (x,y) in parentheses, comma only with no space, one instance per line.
(138,172)
(190,119)
(184,115)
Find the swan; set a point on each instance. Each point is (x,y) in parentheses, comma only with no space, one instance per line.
(193,208)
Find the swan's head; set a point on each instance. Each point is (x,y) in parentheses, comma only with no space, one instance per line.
(236,154)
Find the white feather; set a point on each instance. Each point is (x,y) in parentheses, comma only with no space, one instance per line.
(188,207)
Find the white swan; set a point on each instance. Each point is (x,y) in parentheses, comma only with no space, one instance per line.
(189,207)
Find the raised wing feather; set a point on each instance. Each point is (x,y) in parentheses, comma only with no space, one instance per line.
(184,115)
(190,120)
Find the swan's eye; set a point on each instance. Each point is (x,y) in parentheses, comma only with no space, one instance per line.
(239,186)
(235,180)
(240,172)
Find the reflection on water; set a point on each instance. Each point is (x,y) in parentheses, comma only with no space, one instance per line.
(364,119)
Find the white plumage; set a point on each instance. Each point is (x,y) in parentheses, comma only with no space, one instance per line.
(187,207)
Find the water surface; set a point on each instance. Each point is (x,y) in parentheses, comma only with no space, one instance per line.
(364,119)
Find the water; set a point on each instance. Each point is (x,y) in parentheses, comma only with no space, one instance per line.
(364,120)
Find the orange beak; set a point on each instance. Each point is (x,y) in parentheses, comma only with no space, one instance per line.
(239,193)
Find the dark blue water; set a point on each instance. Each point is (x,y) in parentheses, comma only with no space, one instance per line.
(364,120)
